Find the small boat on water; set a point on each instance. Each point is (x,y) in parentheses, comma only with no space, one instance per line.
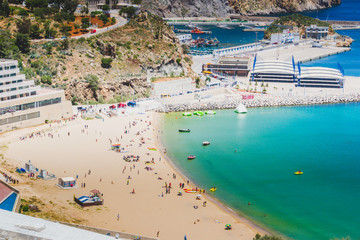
(188,114)
(241,109)
(298,173)
(213,189)
(199,113)
(206,143)
(191,157)
(210,112)
(184,130)
(196,30)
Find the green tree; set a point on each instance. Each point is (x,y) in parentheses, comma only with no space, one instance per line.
(46,79)
(136,1)
(23,26)
(48,48)
(5,9)
(65,29)
(16,1)
(35,31)
(93,82)
(8,48)
(106,62)
(106,7)
(85,23)
(23,12)
(76,26)
(104,18)
(23,42)
(84,10)
(36,4)
(129,11)
(65,44)
(69,6)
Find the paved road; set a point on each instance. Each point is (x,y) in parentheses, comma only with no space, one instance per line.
(120,21)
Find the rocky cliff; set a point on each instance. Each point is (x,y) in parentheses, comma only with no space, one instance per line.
(221,8)
(259,7)
(188,8)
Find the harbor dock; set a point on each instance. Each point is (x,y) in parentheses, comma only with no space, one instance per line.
(189,31)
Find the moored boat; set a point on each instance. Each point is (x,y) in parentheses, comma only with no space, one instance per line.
(187,114)
(210,112)
(298,173)
(191,157)
(206,143)
(198,113)
(241,109)
(184,130)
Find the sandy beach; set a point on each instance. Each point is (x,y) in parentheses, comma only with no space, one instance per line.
(73,150)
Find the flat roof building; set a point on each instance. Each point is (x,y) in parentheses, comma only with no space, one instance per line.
(316,32)
(229,66)
(23,104)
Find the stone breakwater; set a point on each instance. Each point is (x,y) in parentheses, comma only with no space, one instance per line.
(263,102)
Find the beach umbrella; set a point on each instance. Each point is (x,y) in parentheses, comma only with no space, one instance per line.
(185,238)
(228,225)
(199,195)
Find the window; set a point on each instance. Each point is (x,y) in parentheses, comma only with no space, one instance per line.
(12,67)
(12,74)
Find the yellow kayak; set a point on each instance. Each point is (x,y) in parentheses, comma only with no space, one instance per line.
(213,189)
(298,173)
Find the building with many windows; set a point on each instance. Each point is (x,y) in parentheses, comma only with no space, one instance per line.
(316,32)
(22,104)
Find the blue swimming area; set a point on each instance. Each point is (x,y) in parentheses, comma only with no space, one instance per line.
(9,203)
(253,157)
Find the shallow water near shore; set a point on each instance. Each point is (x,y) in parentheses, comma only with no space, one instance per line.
(253,157)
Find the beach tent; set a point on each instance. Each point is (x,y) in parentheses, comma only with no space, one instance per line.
(112,107)
(131,104)
(95,192)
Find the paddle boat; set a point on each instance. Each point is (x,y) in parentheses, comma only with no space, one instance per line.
(184,130)
(241,109)
(187,114)
(210,112)
(206,143)
(199,113)
(191,157)
(298,173)
(213,189)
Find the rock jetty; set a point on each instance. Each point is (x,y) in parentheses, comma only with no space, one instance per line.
(263,102)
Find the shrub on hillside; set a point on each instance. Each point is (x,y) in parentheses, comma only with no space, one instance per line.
(106,62)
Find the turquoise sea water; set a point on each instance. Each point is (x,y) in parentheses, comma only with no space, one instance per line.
(253,157)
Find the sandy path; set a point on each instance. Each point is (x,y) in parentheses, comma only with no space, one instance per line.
(143,213)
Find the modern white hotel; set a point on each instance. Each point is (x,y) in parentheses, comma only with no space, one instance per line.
(22,104)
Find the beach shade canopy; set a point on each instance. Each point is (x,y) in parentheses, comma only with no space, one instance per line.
(121,105)
(95,191)
(112,106)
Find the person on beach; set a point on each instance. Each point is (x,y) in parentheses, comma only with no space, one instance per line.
(118,216)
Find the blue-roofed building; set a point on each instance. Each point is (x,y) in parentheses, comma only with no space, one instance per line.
(9,197)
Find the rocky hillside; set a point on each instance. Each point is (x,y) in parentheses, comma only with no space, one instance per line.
(221,8)
(110,67)
(188,8)
(260,7)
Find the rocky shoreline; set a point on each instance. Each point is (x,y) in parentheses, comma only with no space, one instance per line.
(262,102)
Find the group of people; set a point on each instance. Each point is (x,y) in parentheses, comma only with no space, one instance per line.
(9,178)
